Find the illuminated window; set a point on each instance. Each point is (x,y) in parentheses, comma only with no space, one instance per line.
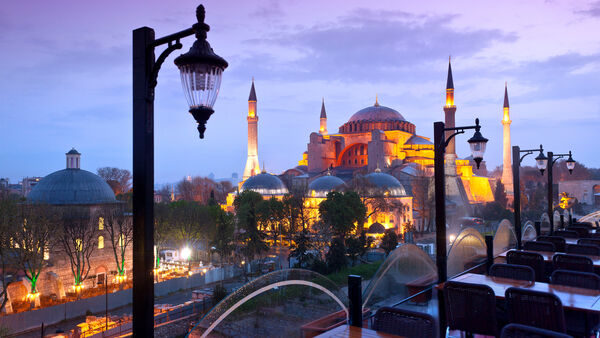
(46,253)
(101,223)
(100,242)
(121,241)
(78,244)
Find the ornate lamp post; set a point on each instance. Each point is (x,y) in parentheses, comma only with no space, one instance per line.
(201,71)
(541,162)
(552,158)
(477,144)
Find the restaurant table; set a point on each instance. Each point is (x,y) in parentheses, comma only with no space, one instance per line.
(548,256)
(354,332)
(587,300)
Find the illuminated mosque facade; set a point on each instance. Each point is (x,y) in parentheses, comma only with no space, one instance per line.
(379,145)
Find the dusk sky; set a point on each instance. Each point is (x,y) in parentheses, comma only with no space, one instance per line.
(66,77)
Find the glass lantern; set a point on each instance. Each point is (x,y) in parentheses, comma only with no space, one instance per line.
(477,144)
(541,161)
(570,163)
(201,70)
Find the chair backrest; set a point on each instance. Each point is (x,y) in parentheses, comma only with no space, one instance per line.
(470,308)
(559,242)
(589,241)
(566,233)
(524,331)
(539,246)
(531,259)
(573,262)
(583,249)
(586,280)
(535,308)
(404,323)
(582,231)
(513,271)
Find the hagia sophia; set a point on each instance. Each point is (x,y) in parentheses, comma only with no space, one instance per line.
(379,144)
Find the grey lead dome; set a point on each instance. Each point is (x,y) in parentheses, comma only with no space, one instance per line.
(265,184)
(72,186)
(376,113)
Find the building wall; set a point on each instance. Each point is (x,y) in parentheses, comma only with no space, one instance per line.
(582,190)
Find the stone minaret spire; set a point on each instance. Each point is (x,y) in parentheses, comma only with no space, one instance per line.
(252,165)
(323,126)
(507,174)
(450,109)
(73,159)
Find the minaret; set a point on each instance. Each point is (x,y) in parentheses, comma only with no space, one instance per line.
(323,126)
(507,174)
(449,112)
(252,166)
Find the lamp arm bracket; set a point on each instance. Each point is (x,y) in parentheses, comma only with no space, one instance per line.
(557,157)
(161,59)
(527,152)
(452,136)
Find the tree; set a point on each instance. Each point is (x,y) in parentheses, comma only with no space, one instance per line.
(222,240)
(423,198)
(373,197)
(8,222)
(196,189)
(271,218)
(342,211)
(250,235)
(336,256)
(389,241)
(190,223)
(353,248)
(500,194)
(118,179)
(78,239)
(301,249)
(119,227)
(162,219)
(31,240)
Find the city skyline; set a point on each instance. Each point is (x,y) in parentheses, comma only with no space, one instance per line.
(67,78)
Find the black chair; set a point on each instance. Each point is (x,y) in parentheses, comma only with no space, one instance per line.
(524,331)
(513,271)
(471,308)
(584,324)
(589,241)
(404,323)
(583,249)
(559,242)
(573,263)
(566,234)
(535,308)
(582,231)
(586,280)
(531,259)
(539,246)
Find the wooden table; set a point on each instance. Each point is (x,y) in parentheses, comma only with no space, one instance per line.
(571,297)
(548,256)
(354,332)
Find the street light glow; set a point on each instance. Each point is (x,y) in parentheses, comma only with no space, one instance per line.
(186,253)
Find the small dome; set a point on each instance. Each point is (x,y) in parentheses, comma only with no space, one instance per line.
(376,228)
(321,186)
(265,184)
(72,186)
(418,140)
(387,182)
(376,113)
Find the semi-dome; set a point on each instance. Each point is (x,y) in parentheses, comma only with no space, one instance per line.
(386,182)
(376,113)
(72,186)
(321,186)
(376,229)
(265,184)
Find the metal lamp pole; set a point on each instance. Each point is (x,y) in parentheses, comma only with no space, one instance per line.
(201,68)
(552,158)
(517,159)
(477,143)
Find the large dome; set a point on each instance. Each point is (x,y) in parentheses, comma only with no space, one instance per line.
(265,184)
(321,186)
(376,113)
(386,182)
(72,186)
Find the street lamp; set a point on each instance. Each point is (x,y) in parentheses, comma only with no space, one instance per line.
(552,158)
(477,144)
(541,162)
(201,71)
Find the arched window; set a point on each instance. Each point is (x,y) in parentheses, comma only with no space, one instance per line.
(101,223)
(100,242)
